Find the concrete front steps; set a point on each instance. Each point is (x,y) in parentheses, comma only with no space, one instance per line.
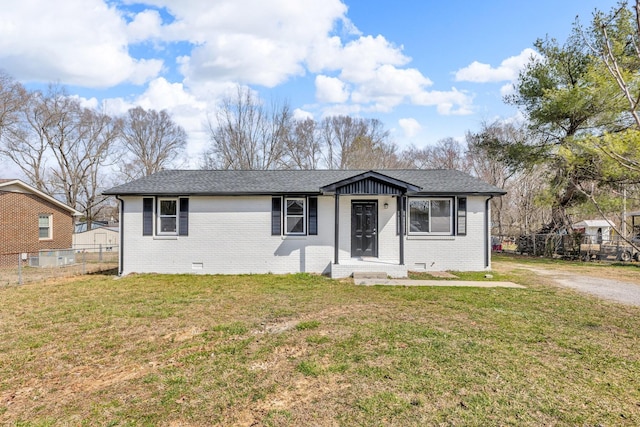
(359,266)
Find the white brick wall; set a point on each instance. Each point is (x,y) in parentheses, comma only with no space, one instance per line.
(231,235)
(227,235)
(456,253)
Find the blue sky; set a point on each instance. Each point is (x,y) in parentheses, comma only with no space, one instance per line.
(427,69)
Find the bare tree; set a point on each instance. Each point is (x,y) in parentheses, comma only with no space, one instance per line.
(483,163)
(24,141)
(62,148)
(245,135)
(99,133)
(151,141)
(493,170)
(80,141)
(303,148)
(356,143)
(517,212)
(13,97)
(447,153)
(338,135)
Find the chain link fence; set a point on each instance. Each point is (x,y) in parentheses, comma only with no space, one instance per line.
(25,267)
(568,246)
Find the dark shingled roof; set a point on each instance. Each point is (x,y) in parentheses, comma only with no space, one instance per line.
(236,182)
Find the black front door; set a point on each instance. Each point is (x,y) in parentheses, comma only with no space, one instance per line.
(364,229)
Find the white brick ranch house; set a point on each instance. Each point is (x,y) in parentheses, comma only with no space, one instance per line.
(333,222)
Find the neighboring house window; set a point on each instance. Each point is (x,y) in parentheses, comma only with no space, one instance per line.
(294,215)
(298,214)
(430,216)
(44,226)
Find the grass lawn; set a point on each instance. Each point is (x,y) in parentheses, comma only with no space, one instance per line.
(304,350)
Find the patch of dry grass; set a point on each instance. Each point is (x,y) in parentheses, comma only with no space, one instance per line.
(304,350)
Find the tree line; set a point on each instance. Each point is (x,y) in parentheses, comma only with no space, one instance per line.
(576,151)
(73,152)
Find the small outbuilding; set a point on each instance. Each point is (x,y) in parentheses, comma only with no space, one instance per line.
(99,239)
(595,230)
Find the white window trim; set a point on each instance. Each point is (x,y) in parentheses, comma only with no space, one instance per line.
(430,233)
(50,227)
(159,217)
(303,216)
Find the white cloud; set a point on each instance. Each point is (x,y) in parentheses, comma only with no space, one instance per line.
(117,106)
(81,42)
(215,46)
(357,60)
(185,109)
(331,90)
(389,86)
(372,68)
(91,103)
(162,95)
(341,110)
(300,114)
(254,41)
(145,25)
(410,126)
(453,102)
(508,69)
(507,89)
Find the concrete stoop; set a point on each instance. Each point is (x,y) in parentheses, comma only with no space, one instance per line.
(358,275)
(373,270)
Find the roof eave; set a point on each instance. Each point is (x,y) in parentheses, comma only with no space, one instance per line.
(457,193)
(211,193)
(42,195)
(299,193)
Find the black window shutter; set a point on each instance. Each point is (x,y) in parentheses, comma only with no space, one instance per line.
(147,216)
(276,216)
(313,216)
(183,226)
(462,217)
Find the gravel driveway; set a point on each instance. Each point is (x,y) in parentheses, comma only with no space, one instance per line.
(614,290)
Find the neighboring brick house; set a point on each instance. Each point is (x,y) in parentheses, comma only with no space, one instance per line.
(31,221)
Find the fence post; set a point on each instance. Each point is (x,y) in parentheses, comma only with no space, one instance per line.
(20,269)
(100,251)
(535,253)
(84,264)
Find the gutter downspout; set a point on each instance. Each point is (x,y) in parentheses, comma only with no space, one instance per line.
(336,229)
(487,232)
(120,226)
(401,231)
